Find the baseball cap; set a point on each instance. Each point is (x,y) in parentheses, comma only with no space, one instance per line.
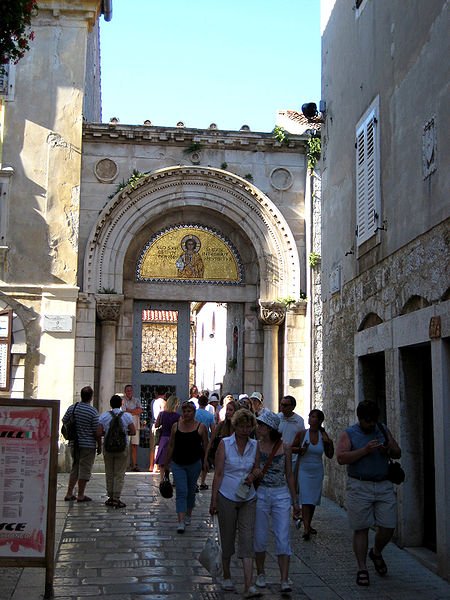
(257,396)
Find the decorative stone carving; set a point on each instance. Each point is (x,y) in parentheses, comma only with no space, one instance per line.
(106,170)
(281,179)
(272,313)
(108,307)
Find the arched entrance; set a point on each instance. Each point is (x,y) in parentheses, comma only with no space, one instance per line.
(212,198)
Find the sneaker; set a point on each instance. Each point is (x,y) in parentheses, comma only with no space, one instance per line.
(180,528)
(260,581)
(252,592)
(286,587)
(227,585)
(187,520)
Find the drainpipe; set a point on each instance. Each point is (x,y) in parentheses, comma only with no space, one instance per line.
(107,9)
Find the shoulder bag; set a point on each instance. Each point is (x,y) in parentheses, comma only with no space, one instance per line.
(395,472)
(257,481)
(69,429)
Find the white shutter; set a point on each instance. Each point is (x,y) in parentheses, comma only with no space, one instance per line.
(367,177)
(4,79)
(7,81)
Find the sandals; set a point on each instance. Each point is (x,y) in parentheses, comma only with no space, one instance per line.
(70,499)
(378,563)
(362,578)
(84,499)
(204,486)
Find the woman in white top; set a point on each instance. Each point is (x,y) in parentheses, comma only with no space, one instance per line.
(233,497)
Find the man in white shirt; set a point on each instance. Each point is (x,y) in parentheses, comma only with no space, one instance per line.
(290,422)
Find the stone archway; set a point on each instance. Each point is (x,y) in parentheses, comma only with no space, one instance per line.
(218,195)
(209,188)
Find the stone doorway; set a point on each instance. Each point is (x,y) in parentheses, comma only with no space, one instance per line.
(418,401)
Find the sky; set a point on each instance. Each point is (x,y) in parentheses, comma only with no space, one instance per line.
(229,62)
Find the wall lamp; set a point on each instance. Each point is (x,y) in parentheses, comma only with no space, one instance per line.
(313,114)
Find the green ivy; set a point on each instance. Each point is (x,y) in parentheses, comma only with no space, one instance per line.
(194,147)
(314,259)
(133,180)
(280,134)
(313,149)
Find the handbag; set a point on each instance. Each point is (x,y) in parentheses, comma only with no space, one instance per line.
(69,429)
(211,555)
(165,487)
(396,474)
(257,482)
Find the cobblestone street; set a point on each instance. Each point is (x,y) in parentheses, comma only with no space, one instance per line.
(136,553)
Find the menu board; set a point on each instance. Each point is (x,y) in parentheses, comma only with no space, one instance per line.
(28,465)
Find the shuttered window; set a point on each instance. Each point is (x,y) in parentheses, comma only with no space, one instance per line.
(7,81)
(367,175)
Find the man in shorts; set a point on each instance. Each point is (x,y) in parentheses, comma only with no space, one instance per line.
(371,499)
(83,449)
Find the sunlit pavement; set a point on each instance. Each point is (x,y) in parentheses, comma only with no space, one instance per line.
(136,552)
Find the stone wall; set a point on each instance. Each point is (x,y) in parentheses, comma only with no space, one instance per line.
(384,290)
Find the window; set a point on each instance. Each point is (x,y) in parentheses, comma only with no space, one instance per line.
(5,179)
(367,175)
(7,81)
(5,349)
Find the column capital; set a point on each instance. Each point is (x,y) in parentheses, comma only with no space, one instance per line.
(272,312)
(108,307)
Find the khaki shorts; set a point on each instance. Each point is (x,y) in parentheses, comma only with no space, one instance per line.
(371,503)
(83,461)
(236,517)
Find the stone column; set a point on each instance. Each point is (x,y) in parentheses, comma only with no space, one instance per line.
(272,315)
(108,311)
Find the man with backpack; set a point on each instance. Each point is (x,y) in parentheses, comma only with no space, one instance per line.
(115,425)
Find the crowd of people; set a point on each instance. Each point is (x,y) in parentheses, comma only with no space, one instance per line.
(267,470)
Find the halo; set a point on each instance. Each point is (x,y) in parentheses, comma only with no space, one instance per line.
(191,237)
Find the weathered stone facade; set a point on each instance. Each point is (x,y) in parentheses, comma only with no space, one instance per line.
(386,281)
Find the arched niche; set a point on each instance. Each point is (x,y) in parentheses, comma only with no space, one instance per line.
(370,320)
(414,303)
(196,194)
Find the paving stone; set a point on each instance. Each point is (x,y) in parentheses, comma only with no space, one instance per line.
(136,554)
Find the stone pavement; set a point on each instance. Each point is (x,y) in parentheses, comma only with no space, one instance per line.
(135,553)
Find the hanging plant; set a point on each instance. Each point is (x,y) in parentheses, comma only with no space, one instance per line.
(15,32)
(313,149)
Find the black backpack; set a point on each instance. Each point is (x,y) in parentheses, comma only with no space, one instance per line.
(116,436)
(69,429)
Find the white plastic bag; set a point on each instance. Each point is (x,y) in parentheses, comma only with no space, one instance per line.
(211,555)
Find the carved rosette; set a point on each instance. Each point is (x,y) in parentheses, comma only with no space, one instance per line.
(272,313)
(108,307)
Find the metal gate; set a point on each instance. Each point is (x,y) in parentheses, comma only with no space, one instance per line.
(161,349)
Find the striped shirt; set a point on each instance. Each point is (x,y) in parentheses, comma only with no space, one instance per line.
(86,418)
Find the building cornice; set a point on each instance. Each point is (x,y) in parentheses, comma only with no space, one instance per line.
(90,10)
(185,137)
